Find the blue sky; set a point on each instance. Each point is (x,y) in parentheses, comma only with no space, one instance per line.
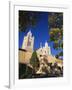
(40,32)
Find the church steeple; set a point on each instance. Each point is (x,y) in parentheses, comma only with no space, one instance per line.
(40,44)
(28,42)
(29,33)
(46,44)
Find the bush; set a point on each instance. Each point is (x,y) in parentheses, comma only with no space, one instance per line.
(34,61)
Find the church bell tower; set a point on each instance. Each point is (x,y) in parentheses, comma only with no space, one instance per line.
(28,42)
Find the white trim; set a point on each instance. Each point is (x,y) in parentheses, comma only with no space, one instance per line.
(11,41)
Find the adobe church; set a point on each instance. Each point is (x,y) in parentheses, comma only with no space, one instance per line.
(26,51)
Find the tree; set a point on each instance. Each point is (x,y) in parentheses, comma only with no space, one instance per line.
(27,19)
(55,21)
(34,61)
(56,36)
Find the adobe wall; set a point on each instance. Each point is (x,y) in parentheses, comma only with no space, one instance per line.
(24,56)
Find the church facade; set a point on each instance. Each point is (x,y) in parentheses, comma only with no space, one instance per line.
(28,48)
(44,51)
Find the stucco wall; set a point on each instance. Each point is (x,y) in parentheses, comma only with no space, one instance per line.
(24,56)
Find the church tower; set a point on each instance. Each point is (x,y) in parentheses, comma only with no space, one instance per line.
(28,42)
(47,49)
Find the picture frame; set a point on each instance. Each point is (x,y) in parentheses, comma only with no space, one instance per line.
(14,81)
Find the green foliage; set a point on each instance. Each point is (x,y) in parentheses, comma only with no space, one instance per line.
(61,54)
(27,19)
(56,36)
(55,21)
(34,61)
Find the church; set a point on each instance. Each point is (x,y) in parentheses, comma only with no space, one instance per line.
(27,49)
(28,42)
